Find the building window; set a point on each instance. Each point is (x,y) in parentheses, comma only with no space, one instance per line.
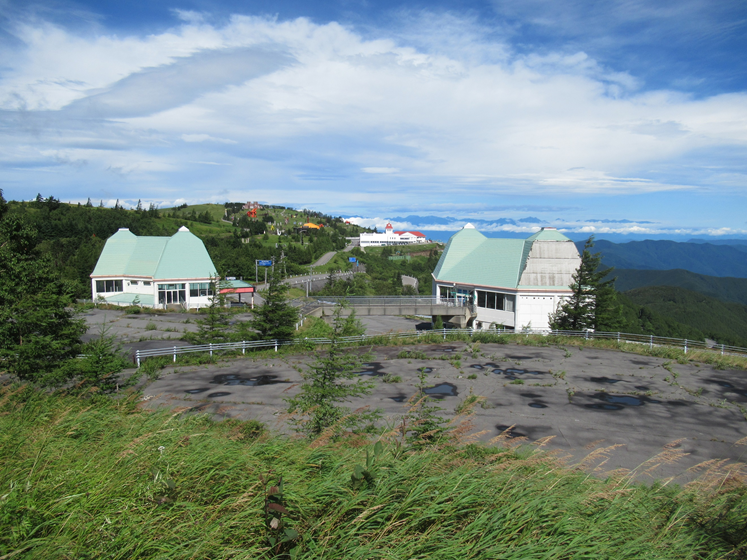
(200,289)
(495,300)
(146,283)
(134,282)
(171,293)
(105,286)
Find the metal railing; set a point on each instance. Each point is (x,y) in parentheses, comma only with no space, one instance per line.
(354,301)
(649,340)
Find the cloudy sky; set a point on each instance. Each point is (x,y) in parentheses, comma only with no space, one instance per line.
(617,116)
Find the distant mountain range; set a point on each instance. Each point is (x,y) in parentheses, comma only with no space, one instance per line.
(701,258)
(723,288)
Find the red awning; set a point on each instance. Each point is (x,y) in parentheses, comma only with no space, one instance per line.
(237,291)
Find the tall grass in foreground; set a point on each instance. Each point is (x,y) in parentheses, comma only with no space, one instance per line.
(90,477)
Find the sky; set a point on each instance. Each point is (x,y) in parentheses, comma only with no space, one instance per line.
(624,117)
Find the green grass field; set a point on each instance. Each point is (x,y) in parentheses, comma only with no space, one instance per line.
(86,476)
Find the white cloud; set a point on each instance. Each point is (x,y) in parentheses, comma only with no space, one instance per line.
(380,169)
(205,138)
(286,102)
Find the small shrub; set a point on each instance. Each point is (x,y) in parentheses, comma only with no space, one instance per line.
(466,406)
(389,378)
(517,382)
(151,326)
(472,376)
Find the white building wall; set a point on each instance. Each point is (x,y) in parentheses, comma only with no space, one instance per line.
(499,317)
(533,310)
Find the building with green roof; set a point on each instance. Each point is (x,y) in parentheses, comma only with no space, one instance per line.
(154,271)
(513,283)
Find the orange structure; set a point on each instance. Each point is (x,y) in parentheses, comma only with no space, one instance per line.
(252,213)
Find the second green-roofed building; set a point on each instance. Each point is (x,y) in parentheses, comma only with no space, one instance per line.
(514,283)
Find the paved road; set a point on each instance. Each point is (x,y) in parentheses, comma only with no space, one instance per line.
(325,258)
(583,400)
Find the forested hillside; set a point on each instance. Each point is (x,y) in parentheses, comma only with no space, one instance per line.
(701,258)
(722,288)
(73,236)
(721,321)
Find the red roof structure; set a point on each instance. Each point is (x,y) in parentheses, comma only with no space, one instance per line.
(415,233)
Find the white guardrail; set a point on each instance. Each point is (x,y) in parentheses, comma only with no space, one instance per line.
(245,345)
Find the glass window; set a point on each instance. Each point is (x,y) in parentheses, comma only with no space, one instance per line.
(109,286)
(200,289)
(490,300)
(146,283)
(481,298)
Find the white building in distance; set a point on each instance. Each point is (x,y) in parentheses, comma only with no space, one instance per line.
(512,283)
(391,237)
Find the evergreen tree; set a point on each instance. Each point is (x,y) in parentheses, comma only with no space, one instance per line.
(276,318)
(38,332)
(327,384)
(213,327)
(89,204)
(593,301)
(425,425)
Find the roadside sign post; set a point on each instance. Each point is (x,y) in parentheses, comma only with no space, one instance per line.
(257,264)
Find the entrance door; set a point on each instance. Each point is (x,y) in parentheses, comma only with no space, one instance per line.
(172,294)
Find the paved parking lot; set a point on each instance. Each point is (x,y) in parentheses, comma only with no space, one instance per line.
(583,398)
(163,330)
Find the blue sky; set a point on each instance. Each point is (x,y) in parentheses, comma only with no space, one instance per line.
(620,117)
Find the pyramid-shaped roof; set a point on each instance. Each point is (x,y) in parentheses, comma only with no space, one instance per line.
(183,255)
(546,259)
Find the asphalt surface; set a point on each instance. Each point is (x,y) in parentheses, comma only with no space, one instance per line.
(624,409)
(585,400)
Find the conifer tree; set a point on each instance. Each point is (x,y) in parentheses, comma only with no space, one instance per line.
(327,384)
(593,302)
(38,332)
(213,326)
(276,318)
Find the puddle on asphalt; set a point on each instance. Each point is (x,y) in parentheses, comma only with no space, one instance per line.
(476,366)
(398,399)
(603,380)
(442,390)
(723,384)
(537,405)
(369,366)
(233,379)
(511,373)
(605,406)
(531,395)
(426,370)
(512,433)
(196,391)
(618,402)
(218,394)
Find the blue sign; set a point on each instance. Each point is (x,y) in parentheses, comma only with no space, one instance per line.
(264,263)
(351,259)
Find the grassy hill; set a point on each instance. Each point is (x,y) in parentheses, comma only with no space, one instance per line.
(216,211)
(721,321)
(701,258)
(722,288)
